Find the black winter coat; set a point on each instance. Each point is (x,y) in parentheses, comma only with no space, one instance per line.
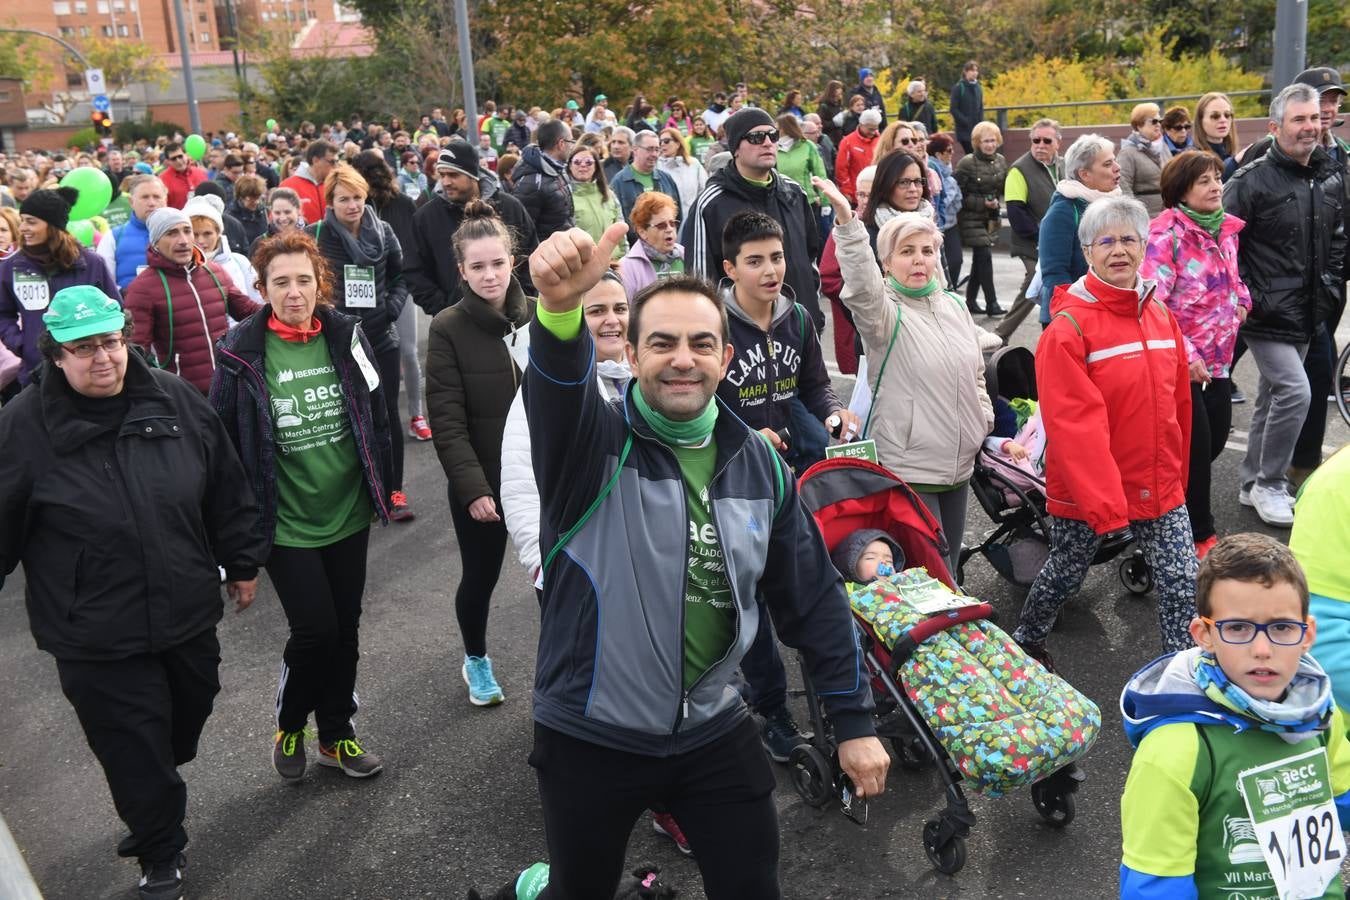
(433,271)
(253,222)
(120,528)
(540,187)
(471,380)
(827,111)
(391,288)
(518,135)
(1291,255)
(967,104)
(239,395)
(873,97)
(784,201)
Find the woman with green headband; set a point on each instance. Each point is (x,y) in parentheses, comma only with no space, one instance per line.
(1192,254)
(930,410)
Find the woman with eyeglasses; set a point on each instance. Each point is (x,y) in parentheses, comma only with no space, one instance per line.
(675,160)
(1215,131)
(1140,159)
(122,495)
(900,186)
(594,205)
(1176,130)
(657,254)
(679,119)
(980,176)
(1115,400)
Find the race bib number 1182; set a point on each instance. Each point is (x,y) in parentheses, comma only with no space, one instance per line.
(1294,816)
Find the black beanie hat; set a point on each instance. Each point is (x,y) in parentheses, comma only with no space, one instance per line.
(51,206)
(846,554)
(740,123)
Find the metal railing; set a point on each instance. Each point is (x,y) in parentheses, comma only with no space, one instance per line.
(1163,100)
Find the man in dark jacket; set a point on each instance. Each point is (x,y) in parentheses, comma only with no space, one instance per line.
(642,175)
(607,743)
(868,90)
(518,133)
(967,102)
(751,182)
(1027,191)
(1291,257)
(540,183)
(121,495)
(430,264)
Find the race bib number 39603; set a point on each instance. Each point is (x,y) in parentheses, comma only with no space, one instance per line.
(358,283)
(1294,816)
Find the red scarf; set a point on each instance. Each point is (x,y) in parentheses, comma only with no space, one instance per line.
(292,334)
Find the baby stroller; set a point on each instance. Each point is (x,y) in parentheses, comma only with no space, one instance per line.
(845,495)
(1014,498)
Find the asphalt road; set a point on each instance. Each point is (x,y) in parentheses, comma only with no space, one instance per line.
(457,804)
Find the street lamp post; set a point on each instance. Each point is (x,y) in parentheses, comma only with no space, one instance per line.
(466,68)
(194,116)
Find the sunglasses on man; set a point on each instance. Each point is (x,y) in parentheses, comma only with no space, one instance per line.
(759,137)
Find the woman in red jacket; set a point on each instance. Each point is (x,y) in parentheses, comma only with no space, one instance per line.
(1115,398)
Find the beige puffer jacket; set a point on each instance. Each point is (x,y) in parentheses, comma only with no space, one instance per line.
(931,411)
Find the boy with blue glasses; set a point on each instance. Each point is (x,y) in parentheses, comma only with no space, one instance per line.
(1240,783)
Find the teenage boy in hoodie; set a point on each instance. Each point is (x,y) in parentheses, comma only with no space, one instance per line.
(1240,783)
(776,379)
(777,376)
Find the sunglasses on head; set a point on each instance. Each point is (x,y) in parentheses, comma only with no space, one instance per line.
(759,137)
(1042,140)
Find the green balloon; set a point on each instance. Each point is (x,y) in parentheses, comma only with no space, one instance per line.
(95,191)
(83,231)
(271,124)
(195,146)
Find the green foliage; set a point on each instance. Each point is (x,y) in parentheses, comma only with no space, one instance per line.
(124,61)
(21,57)
(1163,73)
(86,138)
(147,130)
(1051,81)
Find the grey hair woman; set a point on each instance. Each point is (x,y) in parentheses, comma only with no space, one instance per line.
(1092,174)
(1116,454)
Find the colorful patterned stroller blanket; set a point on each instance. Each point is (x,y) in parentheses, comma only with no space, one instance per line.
(1003,719)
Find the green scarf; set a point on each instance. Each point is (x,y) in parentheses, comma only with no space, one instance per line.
(913,293)
(684,434)
(1211,222)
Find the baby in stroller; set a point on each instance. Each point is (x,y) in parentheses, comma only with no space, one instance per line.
(952,689)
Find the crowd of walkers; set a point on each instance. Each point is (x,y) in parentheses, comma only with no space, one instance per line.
(218,377)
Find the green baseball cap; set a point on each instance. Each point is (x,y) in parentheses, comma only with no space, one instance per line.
(599,97)
(572,104)
(80,311)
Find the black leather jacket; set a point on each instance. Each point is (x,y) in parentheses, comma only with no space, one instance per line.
(1292,252)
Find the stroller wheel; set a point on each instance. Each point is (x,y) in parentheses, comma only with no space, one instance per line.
(910,752)
(948,858)
(1055,805)
(812,775)
(1136,575)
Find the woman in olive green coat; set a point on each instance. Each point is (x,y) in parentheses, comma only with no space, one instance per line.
(980,176)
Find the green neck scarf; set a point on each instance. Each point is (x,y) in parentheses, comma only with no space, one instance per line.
(683,434)
(913,293)
(1211,222)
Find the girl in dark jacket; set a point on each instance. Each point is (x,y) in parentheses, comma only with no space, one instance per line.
(49,259)
(828,105)
(301,400)
(475,354)
(366,259)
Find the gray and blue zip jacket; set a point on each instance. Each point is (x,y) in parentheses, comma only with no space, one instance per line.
(611,641)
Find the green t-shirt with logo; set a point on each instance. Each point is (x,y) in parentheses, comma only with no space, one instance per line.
(645,180)
(709,608)
(118,212)
(321,490)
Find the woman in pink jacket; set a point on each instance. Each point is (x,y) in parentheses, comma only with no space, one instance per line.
(1192,254)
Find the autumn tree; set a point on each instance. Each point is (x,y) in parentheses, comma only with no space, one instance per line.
(124,61)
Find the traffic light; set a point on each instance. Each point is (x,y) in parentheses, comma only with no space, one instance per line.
(103,123)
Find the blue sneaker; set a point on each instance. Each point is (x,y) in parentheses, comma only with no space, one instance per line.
(483,687)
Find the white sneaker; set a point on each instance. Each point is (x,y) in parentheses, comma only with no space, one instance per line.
(1273,505)
(1245,495)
